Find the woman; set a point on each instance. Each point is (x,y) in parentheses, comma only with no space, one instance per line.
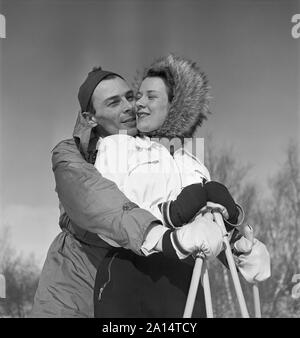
(171,102)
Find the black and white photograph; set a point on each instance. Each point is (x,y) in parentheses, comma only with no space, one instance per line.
(149,161)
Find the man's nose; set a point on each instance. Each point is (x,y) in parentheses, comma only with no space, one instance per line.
(128,106)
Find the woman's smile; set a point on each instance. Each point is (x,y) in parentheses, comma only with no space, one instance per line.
(142,114)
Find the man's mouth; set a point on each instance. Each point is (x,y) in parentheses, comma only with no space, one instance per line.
(129,122)
(130,119)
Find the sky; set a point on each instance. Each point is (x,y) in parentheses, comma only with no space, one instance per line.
(245,48)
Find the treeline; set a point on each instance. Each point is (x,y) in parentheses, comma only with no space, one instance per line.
(275,219)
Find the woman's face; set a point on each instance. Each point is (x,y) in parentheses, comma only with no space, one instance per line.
(152,104)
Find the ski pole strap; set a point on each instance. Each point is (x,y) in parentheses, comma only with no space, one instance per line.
(229,226)
(241,212)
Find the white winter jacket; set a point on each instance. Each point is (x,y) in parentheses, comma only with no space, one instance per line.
(147,174)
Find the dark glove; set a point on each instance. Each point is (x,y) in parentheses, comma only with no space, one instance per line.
(187,204)
(218,193)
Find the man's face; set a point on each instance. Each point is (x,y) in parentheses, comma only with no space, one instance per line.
(114,101)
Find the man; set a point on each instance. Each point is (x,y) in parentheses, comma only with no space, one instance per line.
(68,276)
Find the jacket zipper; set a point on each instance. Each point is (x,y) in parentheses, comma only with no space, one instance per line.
(109,275)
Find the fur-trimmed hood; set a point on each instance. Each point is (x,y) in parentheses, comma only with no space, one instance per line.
(189,106)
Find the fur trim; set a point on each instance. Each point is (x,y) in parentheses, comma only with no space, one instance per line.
(189,106)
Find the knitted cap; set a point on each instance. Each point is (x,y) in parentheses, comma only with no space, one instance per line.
(91,82)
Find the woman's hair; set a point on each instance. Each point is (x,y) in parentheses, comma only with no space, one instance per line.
(167,78)
(188,94)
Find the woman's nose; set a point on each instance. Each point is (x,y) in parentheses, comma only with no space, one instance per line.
(140,103)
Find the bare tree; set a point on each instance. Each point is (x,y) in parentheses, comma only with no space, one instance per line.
(226,169)
(279,217)
(276,223)
(21,275)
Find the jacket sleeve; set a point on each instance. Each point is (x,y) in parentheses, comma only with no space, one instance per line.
(95,203)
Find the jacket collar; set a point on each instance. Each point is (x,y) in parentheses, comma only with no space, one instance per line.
(85,136)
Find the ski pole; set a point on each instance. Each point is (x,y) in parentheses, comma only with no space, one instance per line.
(238,289)
(2,286)
(189,305)
(207,292)
(256,301)
(200,271)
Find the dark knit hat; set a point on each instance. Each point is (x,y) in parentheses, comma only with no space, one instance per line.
(91,82)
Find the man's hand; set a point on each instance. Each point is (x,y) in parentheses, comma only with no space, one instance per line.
(202,235)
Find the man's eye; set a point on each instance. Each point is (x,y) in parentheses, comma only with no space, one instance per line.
(113,103)
(138,96)
(151,97)
(130,98)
